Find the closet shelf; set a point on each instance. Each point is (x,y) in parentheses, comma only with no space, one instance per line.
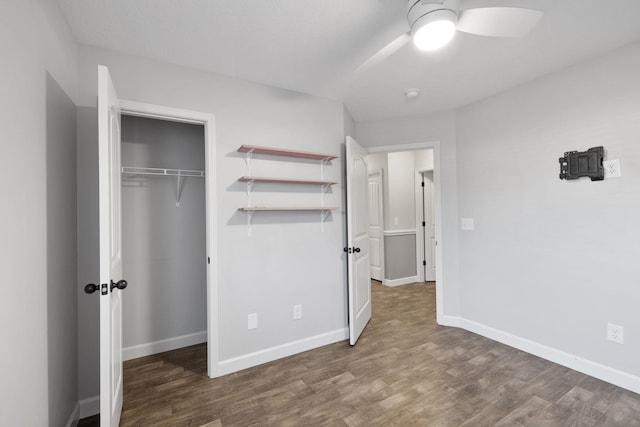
(255,149)
(178,173)
(288,208)
(286,180)
(131,170)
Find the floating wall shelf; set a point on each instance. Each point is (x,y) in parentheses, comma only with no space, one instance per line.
(282,208)
(286,180)
(285,152)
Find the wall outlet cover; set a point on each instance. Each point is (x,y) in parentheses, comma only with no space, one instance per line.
(467,224)
(611,168)
(252,321)
(615,333)
(297,312)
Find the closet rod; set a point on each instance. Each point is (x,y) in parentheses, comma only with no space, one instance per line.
(130,170)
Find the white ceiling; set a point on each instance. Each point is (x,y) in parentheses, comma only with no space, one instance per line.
(315,46)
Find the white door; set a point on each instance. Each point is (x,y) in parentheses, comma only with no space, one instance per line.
(376,253)
(359,279)
(429,228)
(110,251)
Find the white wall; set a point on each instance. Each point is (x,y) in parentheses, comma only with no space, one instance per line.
(438,127)
(552,261)
(287,259)
(34,41)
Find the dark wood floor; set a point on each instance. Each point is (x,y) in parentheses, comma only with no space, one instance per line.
(405,371)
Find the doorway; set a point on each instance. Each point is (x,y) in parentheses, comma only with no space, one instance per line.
(209,258)
(163,235)
(400,206)
(433,173)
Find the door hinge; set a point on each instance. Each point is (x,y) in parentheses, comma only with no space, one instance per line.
(423,183)
(424,262)
(208,260)
(424,224)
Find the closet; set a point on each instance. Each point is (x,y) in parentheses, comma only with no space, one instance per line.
(164,235)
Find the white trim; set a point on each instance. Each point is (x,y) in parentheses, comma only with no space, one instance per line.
(586,366)
(399,282)
(75,416)
(437,206)
(403,147)
(146,349)
(209,121)
(398,232)
(89,407)
(269,354)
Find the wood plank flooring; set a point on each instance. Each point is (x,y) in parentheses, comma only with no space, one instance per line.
(404,371)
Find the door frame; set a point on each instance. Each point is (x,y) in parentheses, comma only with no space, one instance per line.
(161,112)
(437,207)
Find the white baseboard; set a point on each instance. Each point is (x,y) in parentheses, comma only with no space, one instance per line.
(267,355)
(401,281)
(74,417)
(169,344)
(589,367)
(89,407)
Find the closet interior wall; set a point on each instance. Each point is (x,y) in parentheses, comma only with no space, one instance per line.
(164,244)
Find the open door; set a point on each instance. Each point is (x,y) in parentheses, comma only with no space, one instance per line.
(359,278)
(111,283)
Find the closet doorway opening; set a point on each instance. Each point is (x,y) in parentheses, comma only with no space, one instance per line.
(168,221)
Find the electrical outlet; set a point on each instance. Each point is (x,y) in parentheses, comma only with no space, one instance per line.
(467,224)
(297,312)
(615,333)
(611,168)
(252,321)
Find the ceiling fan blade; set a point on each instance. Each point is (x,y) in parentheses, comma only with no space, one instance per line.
(385,52)
(498,21)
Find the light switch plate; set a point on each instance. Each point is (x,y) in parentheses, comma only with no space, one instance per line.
(467,224)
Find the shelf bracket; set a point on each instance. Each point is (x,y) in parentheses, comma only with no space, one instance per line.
(247,160)
(323,163)
(249,188)
(178,190)
(249,220)
(324,214)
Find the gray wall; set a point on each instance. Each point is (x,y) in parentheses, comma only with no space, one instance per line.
(554,261)
(62,321)
(34,40)
(288,259)
(400,256)
(164,246)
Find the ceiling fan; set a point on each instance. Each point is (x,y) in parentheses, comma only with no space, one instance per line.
(433,24)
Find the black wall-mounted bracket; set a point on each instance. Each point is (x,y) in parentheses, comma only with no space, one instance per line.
(578,164)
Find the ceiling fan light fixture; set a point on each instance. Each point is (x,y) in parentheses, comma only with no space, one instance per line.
(434,29)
